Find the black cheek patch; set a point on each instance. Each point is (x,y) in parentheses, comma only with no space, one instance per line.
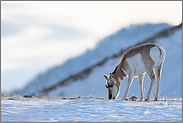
(110,86)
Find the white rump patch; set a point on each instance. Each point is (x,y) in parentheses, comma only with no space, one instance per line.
(155,55)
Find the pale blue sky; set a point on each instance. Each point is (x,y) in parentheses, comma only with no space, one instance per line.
(39,35)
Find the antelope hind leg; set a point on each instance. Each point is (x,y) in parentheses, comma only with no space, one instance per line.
(158,77)
(151,75)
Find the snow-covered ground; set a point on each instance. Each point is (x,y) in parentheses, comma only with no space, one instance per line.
(89,110)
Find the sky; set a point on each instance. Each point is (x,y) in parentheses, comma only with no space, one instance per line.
(38,35)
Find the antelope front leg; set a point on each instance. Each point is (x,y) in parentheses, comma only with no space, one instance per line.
(140,79)
(130,78)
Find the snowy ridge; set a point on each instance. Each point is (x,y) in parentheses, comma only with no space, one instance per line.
(171,42)
(121,40)
(86,72)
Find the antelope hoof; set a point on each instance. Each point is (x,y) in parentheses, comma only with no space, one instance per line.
(156,99)
(123,98)
(147,99)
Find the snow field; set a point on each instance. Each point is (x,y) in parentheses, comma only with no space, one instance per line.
(89,110)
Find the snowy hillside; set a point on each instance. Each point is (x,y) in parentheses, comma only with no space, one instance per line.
(170,85)
(94,83)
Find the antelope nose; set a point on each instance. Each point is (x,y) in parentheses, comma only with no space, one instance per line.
(110,96)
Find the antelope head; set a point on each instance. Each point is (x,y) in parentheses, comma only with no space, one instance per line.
(112,85)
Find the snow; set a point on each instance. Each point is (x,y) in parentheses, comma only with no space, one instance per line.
(89,110)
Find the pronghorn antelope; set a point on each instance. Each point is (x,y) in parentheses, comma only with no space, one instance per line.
(136,61)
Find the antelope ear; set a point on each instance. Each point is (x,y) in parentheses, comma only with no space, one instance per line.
(106,77)
(111,75)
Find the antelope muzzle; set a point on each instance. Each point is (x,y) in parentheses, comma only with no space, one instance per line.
(110,96)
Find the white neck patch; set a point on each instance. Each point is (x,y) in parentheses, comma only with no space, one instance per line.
(124,71)
(114,91)
(119,79)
